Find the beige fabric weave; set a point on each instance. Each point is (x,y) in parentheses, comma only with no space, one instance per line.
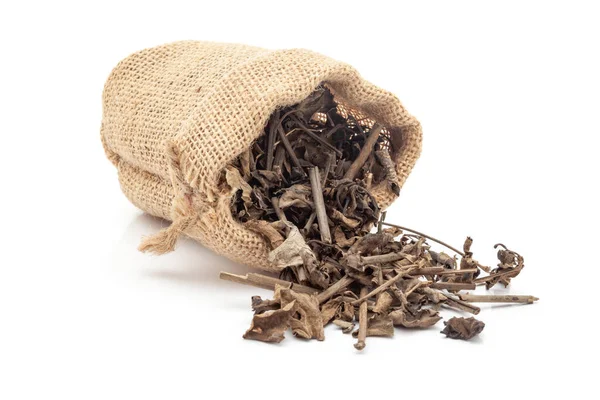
(175,115)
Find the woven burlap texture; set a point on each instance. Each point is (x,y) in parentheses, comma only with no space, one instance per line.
(176,115)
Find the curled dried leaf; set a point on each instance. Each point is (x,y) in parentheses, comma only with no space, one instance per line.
(379,326)
(421,319)
(298,196)
(266,229)
(347,327)
(462,328)
(289,252)
(270,326)
(259,305)
(306,322)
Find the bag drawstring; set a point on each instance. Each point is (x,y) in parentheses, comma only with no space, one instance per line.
(184,213)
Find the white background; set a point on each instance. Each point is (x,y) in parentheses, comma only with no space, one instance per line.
(508,94)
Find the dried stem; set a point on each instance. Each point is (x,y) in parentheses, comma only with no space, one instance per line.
(386,285)
(317,193)
(286,143)
(317,138)
(278,211)
(334,289)
(384,258)
(453,286)
(271,139)
(461,305)
(505,274)
(265,282)
(329,163)
(369,180)
(362,321)
(498,298)
(365,152)
(426,236)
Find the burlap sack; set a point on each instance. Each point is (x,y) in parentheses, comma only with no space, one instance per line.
(175,116)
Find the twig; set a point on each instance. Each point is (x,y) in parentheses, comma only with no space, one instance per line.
(317,194)
(385,258)
(369,180)
(290,150)
(362,322)
(334,289)
(461,305)
(271,139)
(265,282)
(380,222)
(317,138)
(330,161)
(386,285)
(480,281)
(453,286)
(491,298)
(278,211)
(425,236)
(365,152)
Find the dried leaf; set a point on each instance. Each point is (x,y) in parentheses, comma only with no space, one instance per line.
(347,327)
(267,230)
(307,322)
(271,325)
(379,326)
(296,196)
(288,253)
(259,305)
(421,319)
(236,182)
(462,328)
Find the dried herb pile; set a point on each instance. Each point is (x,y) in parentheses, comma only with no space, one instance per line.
(305,185)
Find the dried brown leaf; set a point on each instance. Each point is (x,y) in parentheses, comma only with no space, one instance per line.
(307,322)
(267,230)
(271,325)
(421,319)
(379,326)
(299,196)
(347,327)
(462,328)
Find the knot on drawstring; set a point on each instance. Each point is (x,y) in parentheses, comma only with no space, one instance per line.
(184,216)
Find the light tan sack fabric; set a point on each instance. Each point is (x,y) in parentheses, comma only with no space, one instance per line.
(175,116)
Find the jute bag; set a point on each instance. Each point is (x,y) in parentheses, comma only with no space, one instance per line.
(175,116)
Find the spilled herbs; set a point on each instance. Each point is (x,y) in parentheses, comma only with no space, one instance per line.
(306,187)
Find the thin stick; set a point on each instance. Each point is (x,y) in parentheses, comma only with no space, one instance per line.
(365,152)
(317,194)
(271,139)
(310,220)
(385,258)
(491,298)
(369,180)
(265,282)
(425,236)
(428,271)
(386,285)
(318,139)
(290,150)
(461,305)
(458,271)
(380,222)
(480,281)
(278,211)
(453,286)
(279,157)
(362,322)
(415,287)
(334,289)
(330,161)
